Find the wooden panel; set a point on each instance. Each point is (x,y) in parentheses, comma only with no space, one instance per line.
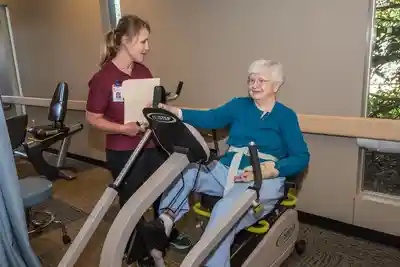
(383,129)
(357,127)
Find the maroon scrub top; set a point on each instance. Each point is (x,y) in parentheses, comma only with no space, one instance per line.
(100,101)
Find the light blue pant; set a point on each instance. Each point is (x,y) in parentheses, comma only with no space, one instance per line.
(211,181)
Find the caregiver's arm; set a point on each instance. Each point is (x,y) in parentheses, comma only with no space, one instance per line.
(212,118)
(298,154)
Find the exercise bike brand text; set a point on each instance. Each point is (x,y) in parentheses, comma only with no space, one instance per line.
(162,118)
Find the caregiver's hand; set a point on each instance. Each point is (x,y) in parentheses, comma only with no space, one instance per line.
(174,110)
(143,126)
(130,129)
(267,170)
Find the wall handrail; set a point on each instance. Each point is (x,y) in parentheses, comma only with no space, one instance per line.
(351,127)
(79,105)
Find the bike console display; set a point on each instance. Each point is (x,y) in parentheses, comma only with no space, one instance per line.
(176,136)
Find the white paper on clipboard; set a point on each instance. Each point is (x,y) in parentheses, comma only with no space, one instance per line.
(137,93)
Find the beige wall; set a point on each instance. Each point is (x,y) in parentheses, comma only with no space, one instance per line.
(209,45)
(322,44)
(54,41)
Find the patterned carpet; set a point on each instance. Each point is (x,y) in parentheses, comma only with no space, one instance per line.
(330,249)
(324,248)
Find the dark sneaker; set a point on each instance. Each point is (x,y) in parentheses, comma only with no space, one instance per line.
(154,236)
(181,242)
(149,262)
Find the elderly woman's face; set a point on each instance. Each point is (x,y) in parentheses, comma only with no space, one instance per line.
(260,86)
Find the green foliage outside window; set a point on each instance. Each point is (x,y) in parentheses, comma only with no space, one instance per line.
(384,97)
(382,169)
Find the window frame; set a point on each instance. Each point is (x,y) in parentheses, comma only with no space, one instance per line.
(114,11)
(366,86)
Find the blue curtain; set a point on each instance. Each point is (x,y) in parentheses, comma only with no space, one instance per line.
(15,250)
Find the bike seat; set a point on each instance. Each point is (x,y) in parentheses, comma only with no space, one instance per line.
(207,202)
(35,190)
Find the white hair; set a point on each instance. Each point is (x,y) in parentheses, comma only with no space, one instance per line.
(273,69)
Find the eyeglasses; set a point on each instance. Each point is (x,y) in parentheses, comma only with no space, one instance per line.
(260,81)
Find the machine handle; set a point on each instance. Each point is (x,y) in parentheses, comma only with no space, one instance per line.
(177,93)
(255,163)
(179,88)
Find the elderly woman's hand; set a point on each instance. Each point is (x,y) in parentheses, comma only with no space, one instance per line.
(268,170)
(174,110)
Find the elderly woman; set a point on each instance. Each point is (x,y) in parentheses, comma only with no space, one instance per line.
(259,118)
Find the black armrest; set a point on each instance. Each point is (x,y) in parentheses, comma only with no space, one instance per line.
(17,130)
(45,131)
(289,184)
(7,107)
(295,181)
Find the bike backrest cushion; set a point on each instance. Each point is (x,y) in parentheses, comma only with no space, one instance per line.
(199,139)
(58,105)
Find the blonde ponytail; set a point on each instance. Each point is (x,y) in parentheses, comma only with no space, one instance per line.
(110,48)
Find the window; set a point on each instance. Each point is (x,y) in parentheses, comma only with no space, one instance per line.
(114,8)
(117,6)
(381,172)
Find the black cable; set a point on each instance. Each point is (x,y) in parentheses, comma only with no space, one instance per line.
(194,186)
(214,135)
(177,195)
(215,178)
(179,192)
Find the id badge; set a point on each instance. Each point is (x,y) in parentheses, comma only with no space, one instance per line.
(117,94)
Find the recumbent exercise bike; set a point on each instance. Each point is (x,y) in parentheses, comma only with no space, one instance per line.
(273,238)
(42,137)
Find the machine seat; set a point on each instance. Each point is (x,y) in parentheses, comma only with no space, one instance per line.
(207,202)
(35,190)
(45,131)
